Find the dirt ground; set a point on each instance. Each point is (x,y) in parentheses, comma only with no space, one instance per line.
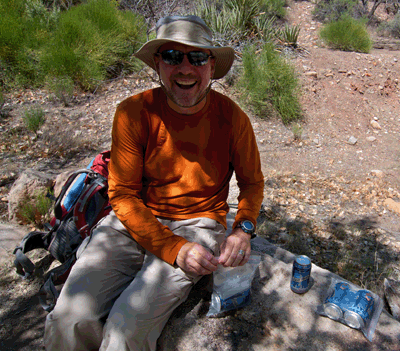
(328,178)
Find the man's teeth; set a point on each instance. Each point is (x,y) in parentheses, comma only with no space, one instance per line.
(186,82)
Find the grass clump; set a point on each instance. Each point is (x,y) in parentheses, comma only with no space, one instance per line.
(36,210)
(347,34)
(270,83)
(34,118)
(92,42)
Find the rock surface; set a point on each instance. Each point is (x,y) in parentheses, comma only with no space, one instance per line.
(277,318)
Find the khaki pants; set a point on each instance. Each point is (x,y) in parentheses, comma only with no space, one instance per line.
(119,296)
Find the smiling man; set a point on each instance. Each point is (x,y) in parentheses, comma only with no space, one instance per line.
(174,150)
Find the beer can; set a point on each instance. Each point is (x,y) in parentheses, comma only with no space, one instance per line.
(233,302)
(358,314)
(333,303)
(300,282)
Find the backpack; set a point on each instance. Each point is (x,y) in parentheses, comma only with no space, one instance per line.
(82,202)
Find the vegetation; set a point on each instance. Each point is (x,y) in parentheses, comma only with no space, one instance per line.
(391,28)
(36,210)
(347,34)
(270,82)
(88,43)
(235,21)
(34,118)
(330,11)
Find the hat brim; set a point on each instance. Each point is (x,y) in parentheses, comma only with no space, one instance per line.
(224,56)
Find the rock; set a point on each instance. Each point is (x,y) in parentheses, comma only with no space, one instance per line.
(392,296)
(392,205)
(311,74)
(377,173)
(28,184)
(375,125)
(60,181)
(371,138)
(352,140)
(276,319)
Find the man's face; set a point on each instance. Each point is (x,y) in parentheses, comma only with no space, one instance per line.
(185,83)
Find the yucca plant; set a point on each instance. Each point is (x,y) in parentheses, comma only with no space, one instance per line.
(290,35)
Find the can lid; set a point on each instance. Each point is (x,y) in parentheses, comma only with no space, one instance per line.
(353,320)
(303,260)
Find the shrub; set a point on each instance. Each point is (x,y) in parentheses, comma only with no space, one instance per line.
(333,10)
(62,87)
(268,80)
(392,27)
(34,118)
(24,28)
(92,42)
(36,210)
(347,34)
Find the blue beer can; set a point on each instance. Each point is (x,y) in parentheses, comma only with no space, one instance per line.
(300,282)
(357,315)
(233,302)
(337,300)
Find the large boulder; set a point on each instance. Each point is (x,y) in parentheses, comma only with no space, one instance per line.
(27,184)
(277,319)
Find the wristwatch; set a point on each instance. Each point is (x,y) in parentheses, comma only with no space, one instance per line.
(248,227)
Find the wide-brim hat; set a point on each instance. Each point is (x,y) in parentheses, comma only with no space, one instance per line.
(188,30)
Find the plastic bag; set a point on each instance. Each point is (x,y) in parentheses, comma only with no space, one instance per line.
(231,287)
(348,304)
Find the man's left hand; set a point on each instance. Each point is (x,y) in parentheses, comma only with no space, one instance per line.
(236,249)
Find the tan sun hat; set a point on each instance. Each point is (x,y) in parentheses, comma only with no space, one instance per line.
(188,30)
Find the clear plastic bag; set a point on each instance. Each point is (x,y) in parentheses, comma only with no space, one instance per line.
(348,304)
(231,287)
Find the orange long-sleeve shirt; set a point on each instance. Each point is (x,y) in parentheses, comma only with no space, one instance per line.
(173,166)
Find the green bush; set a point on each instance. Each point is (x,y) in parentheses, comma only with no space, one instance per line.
(24,28)
(274,8)
(34,118)
(268,80)
(347,34)
(36,210)
(93,41)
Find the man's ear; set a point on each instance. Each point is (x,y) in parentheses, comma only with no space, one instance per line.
(156,59)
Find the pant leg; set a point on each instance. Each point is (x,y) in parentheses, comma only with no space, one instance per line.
(105,267)
(141,312)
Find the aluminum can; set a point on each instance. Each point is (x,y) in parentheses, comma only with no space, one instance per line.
(233,302)
(358,314)
(300,282)
(333,304)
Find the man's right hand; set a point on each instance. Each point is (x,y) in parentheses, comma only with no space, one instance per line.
(195,258)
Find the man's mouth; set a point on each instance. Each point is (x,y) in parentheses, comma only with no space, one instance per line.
(186,84)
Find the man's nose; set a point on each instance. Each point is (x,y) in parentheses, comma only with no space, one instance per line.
(185,65)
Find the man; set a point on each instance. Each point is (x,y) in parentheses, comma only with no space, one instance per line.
(174,150)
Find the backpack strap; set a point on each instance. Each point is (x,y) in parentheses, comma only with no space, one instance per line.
(48,294)
(94,195)
(31,241)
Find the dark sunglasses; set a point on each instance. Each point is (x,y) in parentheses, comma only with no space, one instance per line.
(175,57)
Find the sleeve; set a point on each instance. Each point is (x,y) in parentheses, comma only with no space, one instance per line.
(129,140)
(247,165)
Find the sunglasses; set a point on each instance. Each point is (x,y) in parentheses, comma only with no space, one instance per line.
(175,57)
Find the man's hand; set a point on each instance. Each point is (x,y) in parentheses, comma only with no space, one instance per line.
(236,249)
(195,258)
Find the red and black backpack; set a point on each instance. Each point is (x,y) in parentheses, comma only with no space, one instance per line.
(83,201)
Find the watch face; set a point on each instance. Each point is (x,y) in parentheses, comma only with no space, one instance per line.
(247,225)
